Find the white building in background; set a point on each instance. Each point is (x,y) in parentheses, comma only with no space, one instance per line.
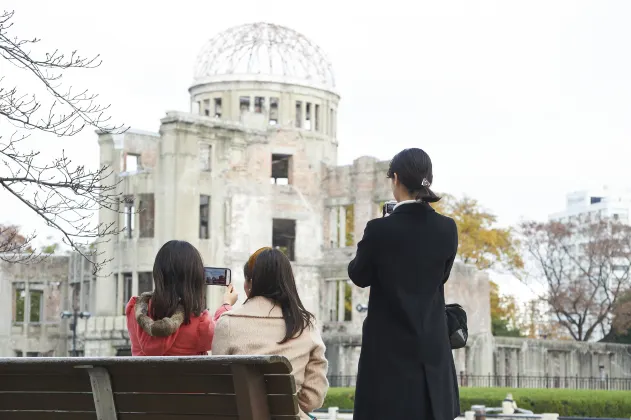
(604,202)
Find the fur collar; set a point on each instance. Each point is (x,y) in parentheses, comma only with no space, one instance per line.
(161,328)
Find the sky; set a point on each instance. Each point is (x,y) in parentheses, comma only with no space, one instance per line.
(517,103)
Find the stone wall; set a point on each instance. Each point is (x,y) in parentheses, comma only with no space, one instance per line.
(536,358)
(41,331)
(103,336)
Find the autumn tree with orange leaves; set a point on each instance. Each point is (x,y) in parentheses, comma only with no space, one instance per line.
(487,246)
(505,314)
(481,242)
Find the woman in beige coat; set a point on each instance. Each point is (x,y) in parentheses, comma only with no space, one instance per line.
(273,321)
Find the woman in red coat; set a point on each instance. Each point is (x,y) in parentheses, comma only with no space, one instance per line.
(172,320)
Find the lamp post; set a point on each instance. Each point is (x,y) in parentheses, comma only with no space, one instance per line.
(75,315)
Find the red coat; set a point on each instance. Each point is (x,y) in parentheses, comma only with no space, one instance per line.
(189,340)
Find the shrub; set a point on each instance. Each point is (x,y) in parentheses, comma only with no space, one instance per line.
(565,402)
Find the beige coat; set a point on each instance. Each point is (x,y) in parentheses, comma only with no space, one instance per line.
(256,327)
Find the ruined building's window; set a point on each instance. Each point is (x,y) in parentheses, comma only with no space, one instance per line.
(244,104)
(145,282)
(19,353)
(284,236)
(128,215)
(19,302)
(36,307)
(332,123)
(330,132)
(217,107)
(342,226)
(204,216)
(207,107)
(308,116)
(344,301)
(259,104)
(127,288)
(205,157)
(281,165)
(339,300)
(32,354)
(349,220)
(146,216)
(316,117)
(298,114)
(273,111)
(132,162)
(85,296)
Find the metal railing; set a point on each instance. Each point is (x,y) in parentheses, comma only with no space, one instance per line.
(546,381)
(342,381)
(519,381)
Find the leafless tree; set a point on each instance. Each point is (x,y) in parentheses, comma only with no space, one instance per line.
(63,194)
(585,264)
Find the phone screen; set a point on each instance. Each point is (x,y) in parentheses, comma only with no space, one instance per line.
(388,207)
(217,276)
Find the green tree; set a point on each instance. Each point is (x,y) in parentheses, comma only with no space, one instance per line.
(621,325)
(481,243)
(504,314)
(50,249)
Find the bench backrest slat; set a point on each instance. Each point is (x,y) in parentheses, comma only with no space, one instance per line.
(251,396)
(186,388)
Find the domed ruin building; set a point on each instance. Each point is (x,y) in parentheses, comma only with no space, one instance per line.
(254,163)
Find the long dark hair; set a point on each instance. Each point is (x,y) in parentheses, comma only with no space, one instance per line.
(178,273)
(273,278)
(412,166)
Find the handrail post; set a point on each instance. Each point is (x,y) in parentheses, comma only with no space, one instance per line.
(333,413)
(480,412)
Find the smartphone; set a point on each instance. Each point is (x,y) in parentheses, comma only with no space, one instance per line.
(217,276)
(388,207)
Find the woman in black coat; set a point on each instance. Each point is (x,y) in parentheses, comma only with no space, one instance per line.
(406,369)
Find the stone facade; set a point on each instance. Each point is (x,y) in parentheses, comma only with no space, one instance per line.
(33,296)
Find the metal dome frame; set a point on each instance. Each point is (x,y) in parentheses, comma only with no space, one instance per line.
(264,49)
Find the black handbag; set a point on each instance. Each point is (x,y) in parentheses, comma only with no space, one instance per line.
(457,325)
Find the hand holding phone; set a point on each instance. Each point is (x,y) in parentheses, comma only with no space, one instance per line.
(230,296)
(388,207)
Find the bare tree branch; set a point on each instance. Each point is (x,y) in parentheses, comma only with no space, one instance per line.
(65,195)
(585,265)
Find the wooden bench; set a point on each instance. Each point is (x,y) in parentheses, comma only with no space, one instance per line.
(148,388)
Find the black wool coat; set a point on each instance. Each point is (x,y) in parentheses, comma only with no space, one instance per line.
(406,369)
